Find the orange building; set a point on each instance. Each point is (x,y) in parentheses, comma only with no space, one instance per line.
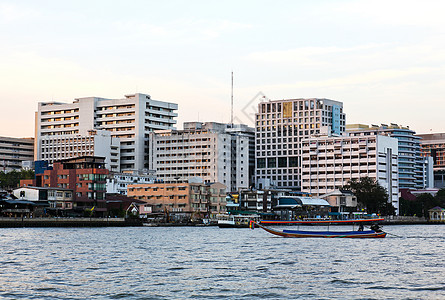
(182,200)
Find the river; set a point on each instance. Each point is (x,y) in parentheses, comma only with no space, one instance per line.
(213,263)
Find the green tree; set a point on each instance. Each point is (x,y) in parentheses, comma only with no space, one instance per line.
(371,195)
(11,180)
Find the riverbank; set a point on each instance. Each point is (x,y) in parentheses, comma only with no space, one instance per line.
(68,222)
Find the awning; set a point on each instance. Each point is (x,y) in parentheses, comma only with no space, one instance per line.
(291,202)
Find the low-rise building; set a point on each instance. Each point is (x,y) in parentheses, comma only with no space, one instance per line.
(86,176)
(341,200)
(117,182)
(182,200)
(57,198)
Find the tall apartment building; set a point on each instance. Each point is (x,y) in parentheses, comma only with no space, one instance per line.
(130,119)
(14,152)
(215,152)
(328,163)
(96,143)
(433,147)
(414,170)
(281,125)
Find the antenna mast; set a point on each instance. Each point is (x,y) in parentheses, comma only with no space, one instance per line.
(231,110)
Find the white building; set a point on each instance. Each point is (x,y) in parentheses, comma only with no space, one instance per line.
(415,171)
(210,151)
(328,163)
(130,119)
(281,125)
(15,152)
(96,143)
(58,198)
(117,182)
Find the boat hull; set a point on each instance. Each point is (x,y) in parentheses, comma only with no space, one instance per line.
(323,234)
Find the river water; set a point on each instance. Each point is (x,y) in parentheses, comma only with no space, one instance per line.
(213,263)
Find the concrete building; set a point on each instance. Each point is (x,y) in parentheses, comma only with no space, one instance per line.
(432,146)
(280,127)
(328,163)
(117,183)
(414,170)
(96,143)
(182,200)
(15,153)
(215,152)
(130,119)
(86,176)
(341,200)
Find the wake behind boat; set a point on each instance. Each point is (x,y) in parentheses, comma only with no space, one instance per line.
(375,232)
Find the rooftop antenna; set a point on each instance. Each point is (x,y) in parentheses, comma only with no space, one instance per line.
(231,109)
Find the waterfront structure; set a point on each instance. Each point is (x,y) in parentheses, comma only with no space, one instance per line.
(183,200)
(255,200)
(215,152)
(130,119)
(341,200)
(95,143)
(15,153)
(328,163)
(437,214)
(280,127)
(86,176)
(117,182)
(432,146)
(57,198)
(415,172)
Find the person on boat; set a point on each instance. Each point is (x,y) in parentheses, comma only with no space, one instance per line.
(376,228)
(360,227)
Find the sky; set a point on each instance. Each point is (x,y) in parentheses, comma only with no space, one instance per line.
(385,60)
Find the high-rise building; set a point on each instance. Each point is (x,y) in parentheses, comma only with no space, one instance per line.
(14,152)
(433,147)
(130,119)
(215,152)
(328,163)
(96,143)
(414,170)
(281,125)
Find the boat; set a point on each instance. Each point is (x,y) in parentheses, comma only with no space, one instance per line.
(236,221)
(375,232)
(321,221)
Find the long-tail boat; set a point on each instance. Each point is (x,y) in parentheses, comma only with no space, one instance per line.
(374,232)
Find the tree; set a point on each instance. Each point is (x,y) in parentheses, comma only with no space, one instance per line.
(11,180)
(371,195)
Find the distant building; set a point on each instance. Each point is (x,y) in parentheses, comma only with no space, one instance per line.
(433,145)
(117,182)
(328,163)
(280,127)
(95,143)
(215,152)
(130,119)
(341,200)
(15,153)
(182,200)
(415,172)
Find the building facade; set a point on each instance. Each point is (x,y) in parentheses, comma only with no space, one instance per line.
(117,183)
(57,198)
(280,127)
(433,146)
(212,151)
(96,143)
(85,176)
(182,200)
(15,153)
(414,170)
(328,163)
(130,119)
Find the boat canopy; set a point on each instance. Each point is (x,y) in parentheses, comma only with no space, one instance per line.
(293,202)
